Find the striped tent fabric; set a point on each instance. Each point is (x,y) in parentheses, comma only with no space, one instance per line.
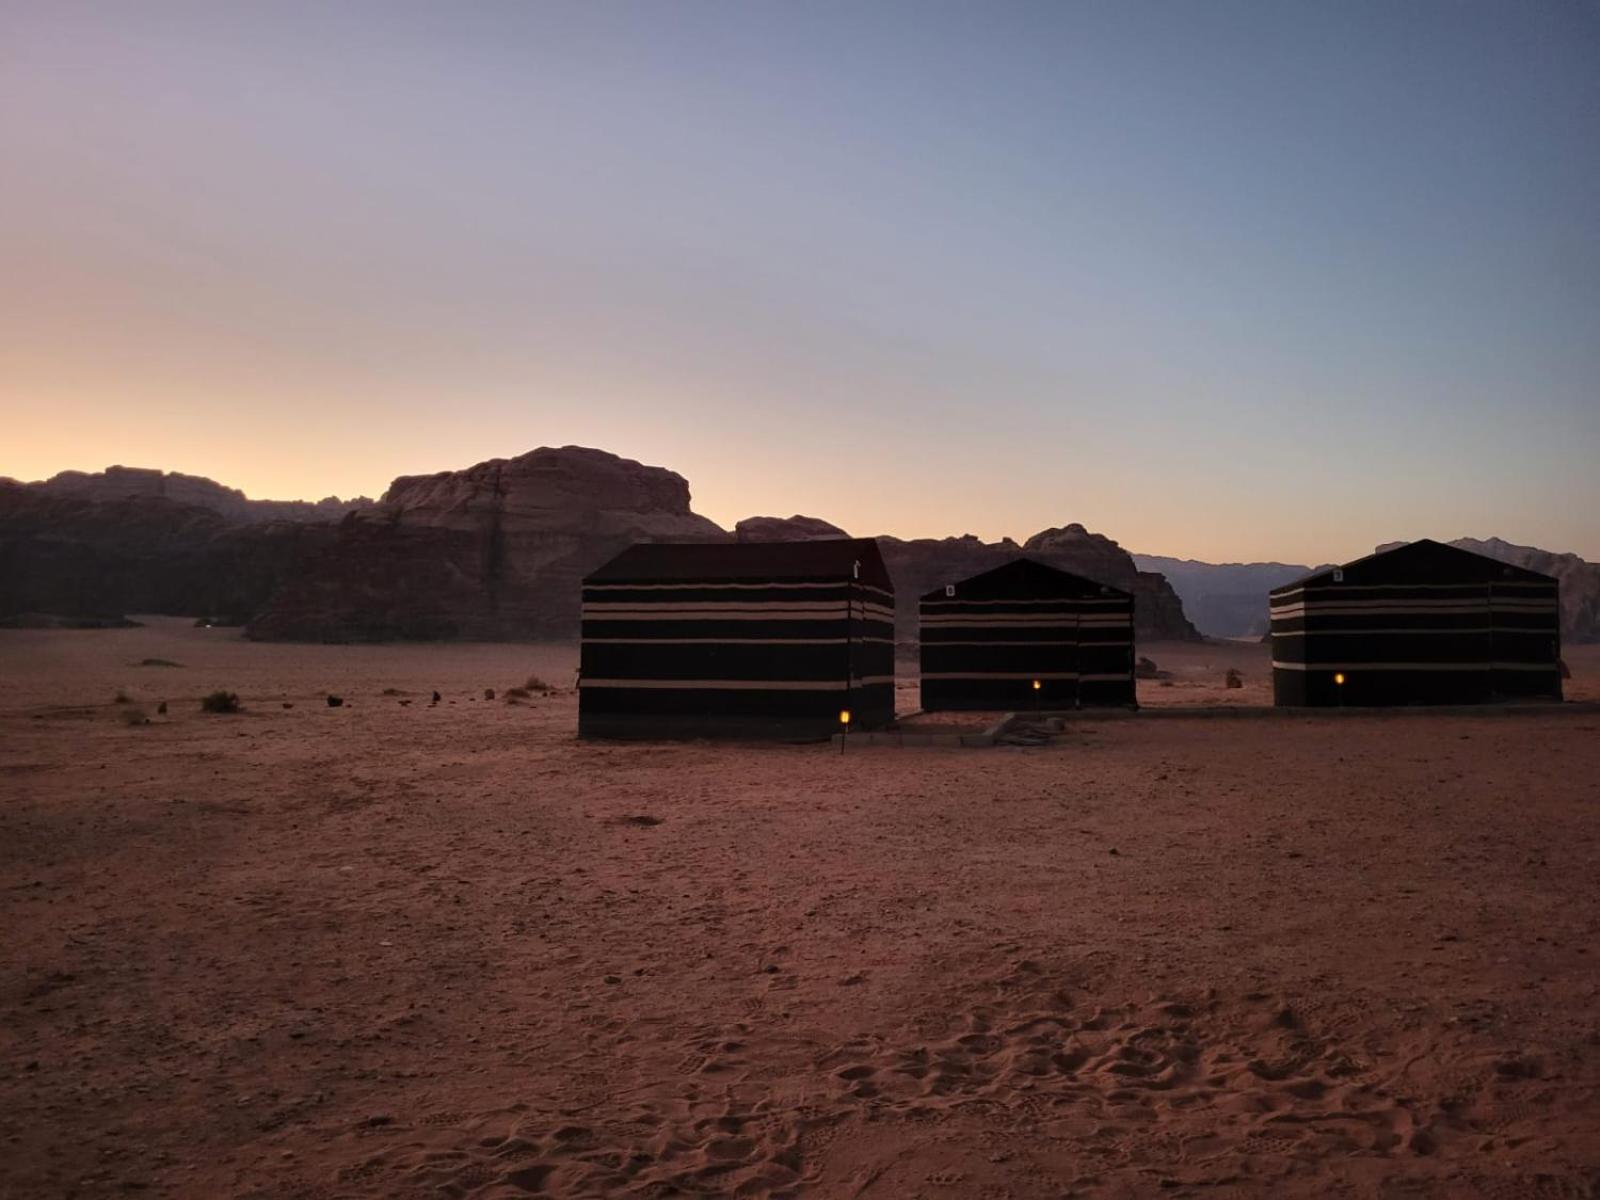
(985,640)
(728,639)
(1423,623)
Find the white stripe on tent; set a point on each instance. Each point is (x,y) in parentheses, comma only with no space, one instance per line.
(827,606)
(1396,587)
(1064,621)
(1287,633)
(739,685)
(771,585)
(1455,666)
(1042,675)
(836,612)
(992,645)
(1061,603)
(1385,610)
(1380,603)
(735,641)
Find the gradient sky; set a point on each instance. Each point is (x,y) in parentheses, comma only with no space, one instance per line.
(1224,280)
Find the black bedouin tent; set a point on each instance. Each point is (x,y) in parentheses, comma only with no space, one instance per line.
(987,640)
(1424,623)
(729,639)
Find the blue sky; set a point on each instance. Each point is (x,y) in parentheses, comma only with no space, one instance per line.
(1225,280)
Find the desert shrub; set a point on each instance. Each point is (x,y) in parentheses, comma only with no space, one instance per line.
(157,662)
(393,692)
(220,702)
(535,684)
(1233,679)
(121,697)
(517,693)
(134,715)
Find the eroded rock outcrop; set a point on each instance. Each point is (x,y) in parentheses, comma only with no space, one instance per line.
(71,555)
(494,551)
(919,565)
(141,483)
(786,529)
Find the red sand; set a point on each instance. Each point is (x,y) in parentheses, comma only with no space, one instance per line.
(393,950)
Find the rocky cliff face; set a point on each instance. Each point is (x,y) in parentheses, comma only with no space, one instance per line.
(1224,599)
(139,483)
(1580,581)
(786,529)
(922,564)
(63,553)
(495,551)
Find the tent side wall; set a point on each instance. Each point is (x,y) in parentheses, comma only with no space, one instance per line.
(1527,639)
(984,654)
(1105,652)
(1413,643)
(870,654)
(774,659)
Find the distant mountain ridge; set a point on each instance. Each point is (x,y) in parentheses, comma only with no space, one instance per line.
(1230,599)
(144,483)
(496,551)
(491,552)
(918,565)
(1227,600)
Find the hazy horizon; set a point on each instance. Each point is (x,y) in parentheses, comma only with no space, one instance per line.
(1235,282)
(729,522)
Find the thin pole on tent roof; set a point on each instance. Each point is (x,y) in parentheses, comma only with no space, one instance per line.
(849,646)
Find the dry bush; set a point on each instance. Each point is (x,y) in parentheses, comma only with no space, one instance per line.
(517,693)
(535,684)
(121,697)
(220,702)
(134,715)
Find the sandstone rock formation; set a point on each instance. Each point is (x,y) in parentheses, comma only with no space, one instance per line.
(923,564)
(786,529)
(1579,578)
(919,565)
(72,555)
(140,483)
(494,551)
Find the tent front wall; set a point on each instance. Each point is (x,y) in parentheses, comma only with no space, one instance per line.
(986,654)
(777,659)
(1413,643)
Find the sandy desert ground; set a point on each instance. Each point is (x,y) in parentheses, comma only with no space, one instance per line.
(395,950)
